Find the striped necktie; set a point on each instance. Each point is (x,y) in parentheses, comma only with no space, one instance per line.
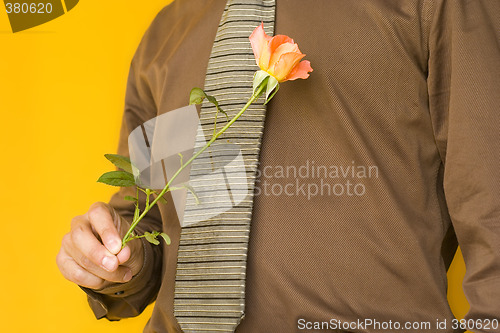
(211,264)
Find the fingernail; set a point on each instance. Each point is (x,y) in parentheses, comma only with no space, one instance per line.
(128,276)
(115,246)
(108,263)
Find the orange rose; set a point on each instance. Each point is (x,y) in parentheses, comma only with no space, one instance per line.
(279,56)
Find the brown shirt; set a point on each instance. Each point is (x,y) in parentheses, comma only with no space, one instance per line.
(406,90)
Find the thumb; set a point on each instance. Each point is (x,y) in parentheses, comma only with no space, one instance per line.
(105,221)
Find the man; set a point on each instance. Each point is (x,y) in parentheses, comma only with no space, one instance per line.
(406,88)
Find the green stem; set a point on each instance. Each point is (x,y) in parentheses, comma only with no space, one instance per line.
(148,193)
(252,99)
(135,237)
(215,121)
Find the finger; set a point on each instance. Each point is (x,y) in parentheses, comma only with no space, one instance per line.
(84,242)
(132,255)
(76,274)
(124,255)
(121,274)
(102,218)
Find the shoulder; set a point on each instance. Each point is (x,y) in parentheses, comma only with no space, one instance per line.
(179,20)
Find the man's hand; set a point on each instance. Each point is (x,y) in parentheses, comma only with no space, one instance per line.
(91,254)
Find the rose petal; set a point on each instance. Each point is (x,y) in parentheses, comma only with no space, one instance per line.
(264,58)
(259,41)
(278,40)
(301,71)
(282,49)
(267,52)
(285,65)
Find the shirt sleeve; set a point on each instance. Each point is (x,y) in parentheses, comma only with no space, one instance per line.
(464,96)
(129,299)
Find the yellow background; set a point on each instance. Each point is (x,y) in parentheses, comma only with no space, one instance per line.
(62,86)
